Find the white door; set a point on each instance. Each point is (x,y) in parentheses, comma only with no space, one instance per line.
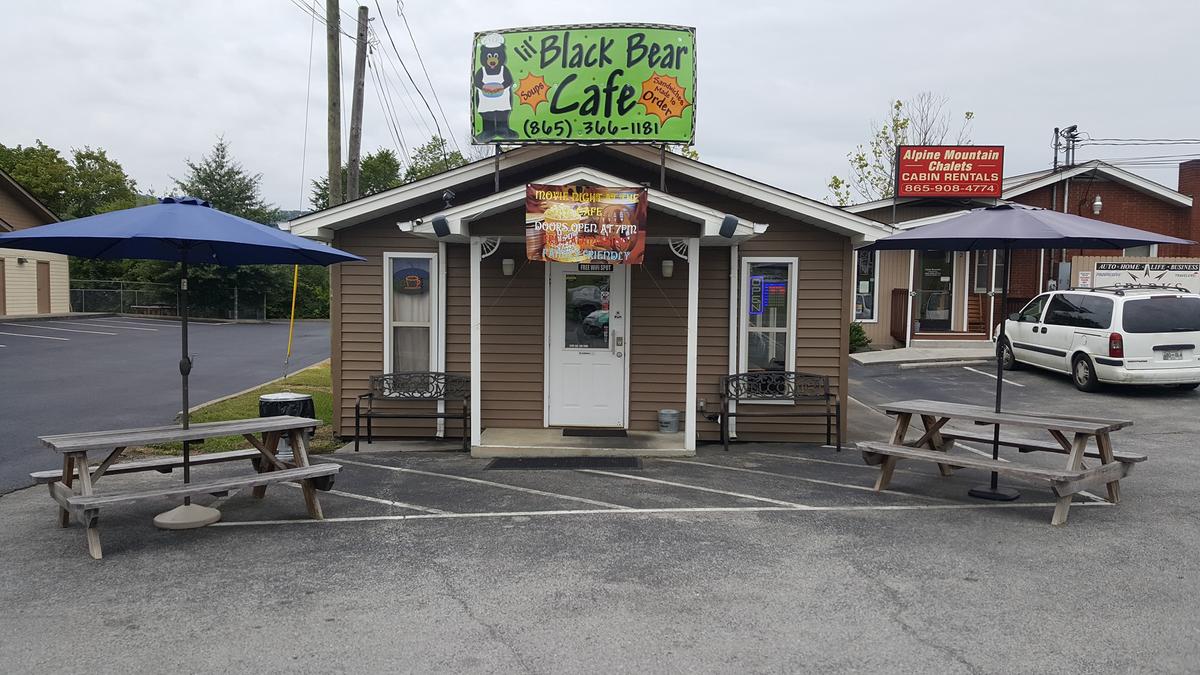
(585,355)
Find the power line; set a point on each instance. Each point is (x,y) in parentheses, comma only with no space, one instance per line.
(307,106)
(389,113)
(315,14)
(409,108)
(388,32)
(432,89)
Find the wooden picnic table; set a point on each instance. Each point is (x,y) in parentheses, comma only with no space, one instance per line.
(85,504)
(1068,435)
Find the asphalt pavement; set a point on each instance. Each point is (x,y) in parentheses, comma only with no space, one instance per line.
(96,373)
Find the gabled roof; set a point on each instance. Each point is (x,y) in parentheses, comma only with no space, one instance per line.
(1033,180)
(10,185)
(460,215)
(321,224)
(1097,167)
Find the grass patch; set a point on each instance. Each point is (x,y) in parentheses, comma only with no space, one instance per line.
(315,381)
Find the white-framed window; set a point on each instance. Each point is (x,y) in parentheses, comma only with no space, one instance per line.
(410,312)
(866,286)
(768,314)
(983,261)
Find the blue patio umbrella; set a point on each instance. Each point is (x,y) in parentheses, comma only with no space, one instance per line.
(1007,227)
(185,230)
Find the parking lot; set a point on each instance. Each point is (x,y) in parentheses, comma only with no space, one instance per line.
(110,372)
(768,557)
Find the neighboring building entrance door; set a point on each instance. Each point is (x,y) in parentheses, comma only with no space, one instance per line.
(586,354)
(43,287)
(935,297)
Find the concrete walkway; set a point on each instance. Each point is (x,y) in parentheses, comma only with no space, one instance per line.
(955,355)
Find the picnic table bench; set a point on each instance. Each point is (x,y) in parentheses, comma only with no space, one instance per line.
(153,310)
(74,486)
(1069,435)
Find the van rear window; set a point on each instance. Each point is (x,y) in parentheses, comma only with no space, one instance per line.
(1162,314)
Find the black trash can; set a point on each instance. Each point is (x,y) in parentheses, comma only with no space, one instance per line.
(287,403)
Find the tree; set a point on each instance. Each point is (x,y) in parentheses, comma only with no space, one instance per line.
(379,171)
(923,119)
(227,185)
(88,184)
(431,159)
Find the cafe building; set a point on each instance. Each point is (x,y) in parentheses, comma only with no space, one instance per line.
(735,276)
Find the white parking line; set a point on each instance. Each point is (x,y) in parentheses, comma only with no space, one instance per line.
(118,324)
(65,330)
(800,478)
(653,511)
(377,500)
(38,337)
(92,324)
(478,481)
(1006,380)
(768,500)
(124,322)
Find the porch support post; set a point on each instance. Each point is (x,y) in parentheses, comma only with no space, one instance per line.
(476,344)
(908,319)
(1041,270)
(735,293)
(991,294)
(693,261)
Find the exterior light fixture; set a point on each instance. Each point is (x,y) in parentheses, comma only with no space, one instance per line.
(508,265)
(1097,205)
(668,268)
(22,261)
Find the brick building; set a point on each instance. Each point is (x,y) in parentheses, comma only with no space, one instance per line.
(951,288)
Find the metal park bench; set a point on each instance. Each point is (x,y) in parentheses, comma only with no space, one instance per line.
(775,386)
(415,386)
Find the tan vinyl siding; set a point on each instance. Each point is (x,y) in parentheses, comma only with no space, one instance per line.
(358,324)
(712,342)
(512,318)
(657,338)
(893,273)
(20,282)
(823,314)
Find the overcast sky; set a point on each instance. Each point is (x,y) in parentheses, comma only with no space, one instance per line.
(785,89)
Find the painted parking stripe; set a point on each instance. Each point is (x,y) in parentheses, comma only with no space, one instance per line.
(740,495)
(65,330)
(166,324)
(117,324)
(478,481)
(377,500)
(818,481)
(653,511)
(102,325)
(37,337)
(1006,380)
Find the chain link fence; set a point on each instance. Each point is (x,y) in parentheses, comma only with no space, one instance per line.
(206,300)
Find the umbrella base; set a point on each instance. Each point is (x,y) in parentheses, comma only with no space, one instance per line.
(186,517)
(998,494)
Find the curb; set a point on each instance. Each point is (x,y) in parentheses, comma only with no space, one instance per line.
(235,394)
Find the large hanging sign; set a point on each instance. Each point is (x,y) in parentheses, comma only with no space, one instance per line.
(954,171)
(632,83)
(585,224)
(1170,275)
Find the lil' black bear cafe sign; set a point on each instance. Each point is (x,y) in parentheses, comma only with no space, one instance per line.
(601,83)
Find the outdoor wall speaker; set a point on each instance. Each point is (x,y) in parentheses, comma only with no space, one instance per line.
(441,226)
(728,226)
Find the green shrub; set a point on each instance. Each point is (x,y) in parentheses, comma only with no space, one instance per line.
(858,338)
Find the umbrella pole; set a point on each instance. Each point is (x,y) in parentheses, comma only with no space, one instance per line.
(188,515)
(993,491)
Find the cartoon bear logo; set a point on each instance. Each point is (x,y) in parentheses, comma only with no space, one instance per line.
(493,90)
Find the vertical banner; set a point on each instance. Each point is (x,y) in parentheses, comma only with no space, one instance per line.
(585,224)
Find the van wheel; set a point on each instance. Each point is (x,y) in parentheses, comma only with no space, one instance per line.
(1007,358)
(1187,387)
(1083,374)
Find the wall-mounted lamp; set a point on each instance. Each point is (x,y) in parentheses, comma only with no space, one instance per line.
(508,266)
(441,226)
(1097,205)
(728,226)
(22,261)
(668,268)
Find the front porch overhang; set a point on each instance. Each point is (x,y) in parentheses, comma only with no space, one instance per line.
(458,219)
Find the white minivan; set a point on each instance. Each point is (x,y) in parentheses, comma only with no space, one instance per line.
(1114,335)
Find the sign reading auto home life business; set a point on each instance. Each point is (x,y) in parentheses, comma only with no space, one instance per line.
(955,171)
(585,224)
(1186,275)
(598,82)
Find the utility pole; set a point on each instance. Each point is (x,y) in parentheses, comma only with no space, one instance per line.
(356,107)
(334,80)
